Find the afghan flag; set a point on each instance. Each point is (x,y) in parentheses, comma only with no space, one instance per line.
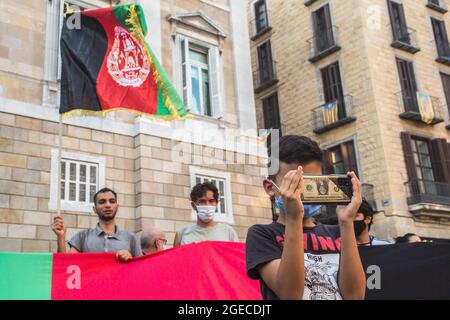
(107,66)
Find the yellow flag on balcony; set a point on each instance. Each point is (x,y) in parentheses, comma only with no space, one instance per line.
(330,112)
(425,107)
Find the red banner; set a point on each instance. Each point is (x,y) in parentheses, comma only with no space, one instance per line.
(202,271)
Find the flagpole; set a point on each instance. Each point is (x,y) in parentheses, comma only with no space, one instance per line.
(58,189)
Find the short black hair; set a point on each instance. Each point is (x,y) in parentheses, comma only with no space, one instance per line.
(104,190)
(296,149)
(201,188)
(367,210)
(405,238)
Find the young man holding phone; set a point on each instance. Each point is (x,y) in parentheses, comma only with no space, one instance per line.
(295,258)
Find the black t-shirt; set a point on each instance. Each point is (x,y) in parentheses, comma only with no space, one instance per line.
(322,245)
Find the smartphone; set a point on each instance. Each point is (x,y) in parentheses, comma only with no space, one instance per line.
(334,189)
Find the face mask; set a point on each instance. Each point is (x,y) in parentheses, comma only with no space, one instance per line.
(206,213)
(310,209)
(359,226)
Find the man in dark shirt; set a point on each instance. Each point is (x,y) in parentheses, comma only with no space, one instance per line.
(295,258)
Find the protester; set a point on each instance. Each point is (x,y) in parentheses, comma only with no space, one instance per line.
(362,224)
(295,258)
(408,238)
(204,200)
(105,237)
(152,240)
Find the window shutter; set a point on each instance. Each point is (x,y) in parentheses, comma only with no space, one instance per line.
(440,159)
(216,86)
(329,31)
(61,21)
(271,112)
(350,157)
(177,66)
(408,84)
(328,163)
(409,158)
(394,25)
(186,72)
(316,32)
(398,21)
(446,85)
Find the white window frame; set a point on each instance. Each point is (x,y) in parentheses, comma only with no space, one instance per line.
(67,205)
(228,216)
(181,48)
(253,16)
(201,67)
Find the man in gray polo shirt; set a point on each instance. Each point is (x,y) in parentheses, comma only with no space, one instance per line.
(105,237)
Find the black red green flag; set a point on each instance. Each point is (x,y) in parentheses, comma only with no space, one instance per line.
(107,65)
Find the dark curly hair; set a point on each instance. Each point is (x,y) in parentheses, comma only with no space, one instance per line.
(200,189)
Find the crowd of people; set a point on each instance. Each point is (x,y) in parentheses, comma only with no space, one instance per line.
(106,237)
(293,257)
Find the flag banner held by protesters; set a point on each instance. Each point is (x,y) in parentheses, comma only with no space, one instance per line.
(207,271)
(107,66)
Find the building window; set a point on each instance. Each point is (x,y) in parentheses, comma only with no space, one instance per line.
(261,16)
(271,112)
(398,22)
(81,177)
(341,159)
(440,36)
(428,169)
(201,77)
(332,88)
(323,31)
(446,84)
(222,181)
(266,66)
(201,101)
(422,159)
(408,85)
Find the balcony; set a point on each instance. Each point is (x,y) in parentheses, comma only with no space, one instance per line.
(261,27)
(323,44)
(333,114)
(437,5)
(405,40)
(410,110)
(424,191)
(264,78)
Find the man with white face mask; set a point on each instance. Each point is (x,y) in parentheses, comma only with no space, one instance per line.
(204,200)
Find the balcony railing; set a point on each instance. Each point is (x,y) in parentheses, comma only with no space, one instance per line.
(333,114)
(323,44)
(426,111)
(438,5)
(265,77)
(424,191)
(261,27)
(404,39)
